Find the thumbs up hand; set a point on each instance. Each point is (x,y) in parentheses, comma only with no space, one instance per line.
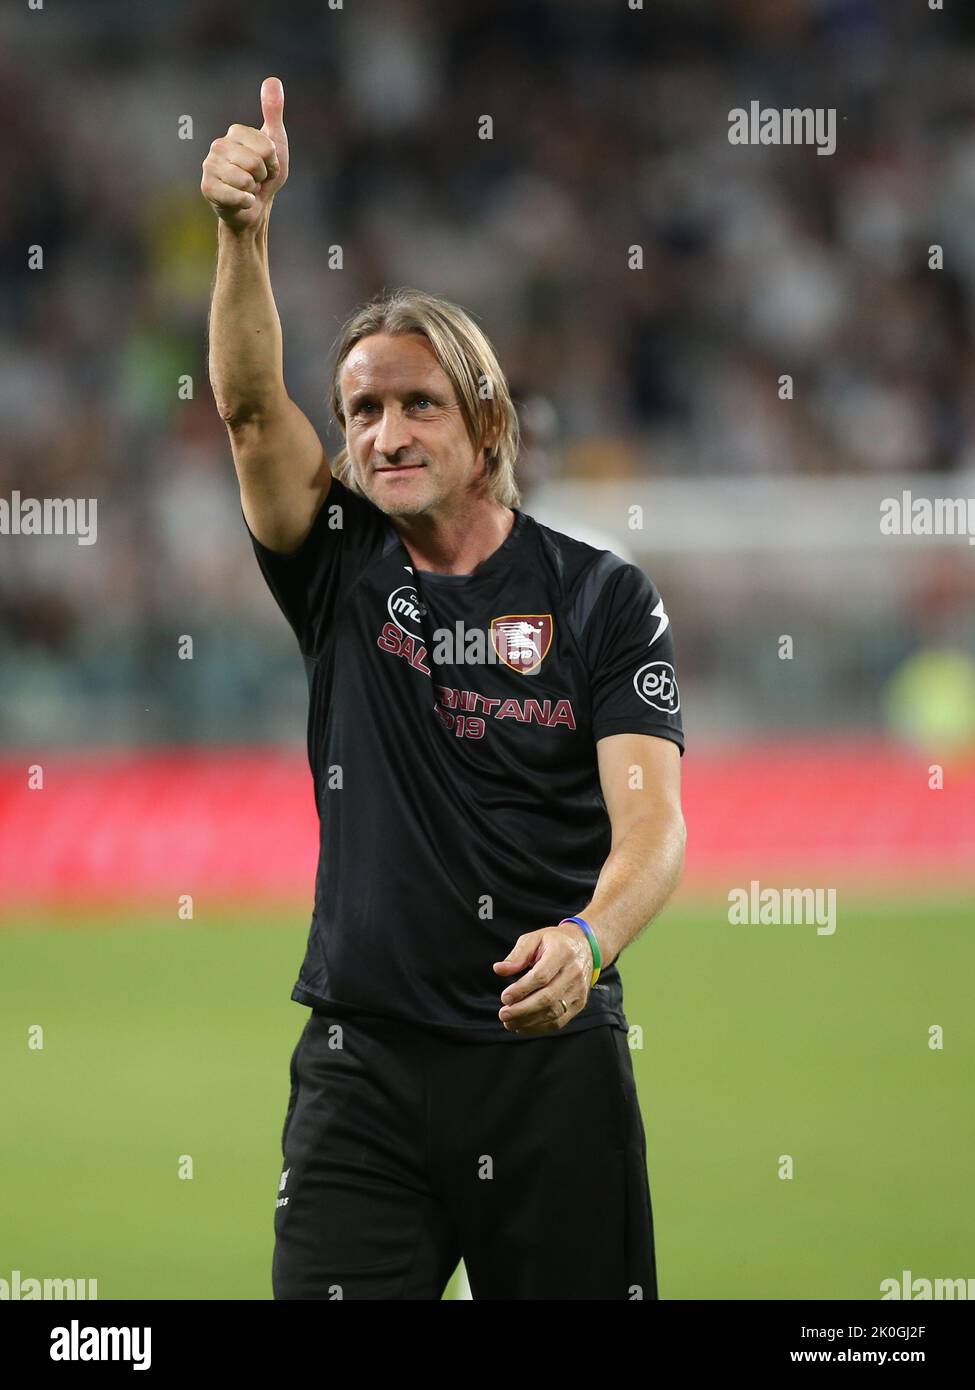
(245,168)
(272,109)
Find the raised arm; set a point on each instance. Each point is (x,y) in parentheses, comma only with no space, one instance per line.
(280,461)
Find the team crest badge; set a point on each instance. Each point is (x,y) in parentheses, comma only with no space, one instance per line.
(522,640)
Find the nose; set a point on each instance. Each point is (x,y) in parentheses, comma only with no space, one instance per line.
(393,433)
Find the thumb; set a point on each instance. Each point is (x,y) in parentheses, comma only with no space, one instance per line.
(272,108)
(521,955)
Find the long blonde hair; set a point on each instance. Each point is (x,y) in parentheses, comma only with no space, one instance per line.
(468,359)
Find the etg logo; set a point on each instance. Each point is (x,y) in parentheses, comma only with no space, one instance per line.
(656,685)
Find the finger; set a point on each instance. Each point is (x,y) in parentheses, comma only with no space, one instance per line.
(253,140)
(542,1005)
(272,107)
(223,171)
(550,1018)
(521,955)
(273,164)
(226,197)
(540,975)
(509,967)
(244,158)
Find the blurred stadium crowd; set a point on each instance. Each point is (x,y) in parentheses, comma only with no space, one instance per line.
(610,130)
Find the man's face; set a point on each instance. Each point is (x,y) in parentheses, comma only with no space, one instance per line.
(403,426)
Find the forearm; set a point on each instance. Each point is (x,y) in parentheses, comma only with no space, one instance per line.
(246,353)
(639,875)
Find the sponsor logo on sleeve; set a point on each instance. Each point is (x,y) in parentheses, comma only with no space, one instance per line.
(656,685)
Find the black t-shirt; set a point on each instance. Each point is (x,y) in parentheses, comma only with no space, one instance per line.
(452,733)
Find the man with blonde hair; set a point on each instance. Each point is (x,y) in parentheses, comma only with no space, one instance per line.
(494,735)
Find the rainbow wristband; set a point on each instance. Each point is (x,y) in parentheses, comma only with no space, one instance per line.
(597,960)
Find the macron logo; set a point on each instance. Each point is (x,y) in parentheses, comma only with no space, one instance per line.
(658,612)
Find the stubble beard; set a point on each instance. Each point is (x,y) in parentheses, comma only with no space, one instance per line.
(406,509)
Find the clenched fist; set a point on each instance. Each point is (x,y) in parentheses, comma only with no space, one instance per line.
(246,167)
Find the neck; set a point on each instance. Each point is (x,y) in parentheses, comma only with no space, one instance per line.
(459,543)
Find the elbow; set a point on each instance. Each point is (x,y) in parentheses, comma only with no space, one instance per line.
(228,410)
(253,404)
(232,408)
(237,414)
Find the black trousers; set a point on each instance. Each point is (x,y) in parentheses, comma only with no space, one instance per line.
(404,1151)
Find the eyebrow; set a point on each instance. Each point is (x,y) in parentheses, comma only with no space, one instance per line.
(358,397)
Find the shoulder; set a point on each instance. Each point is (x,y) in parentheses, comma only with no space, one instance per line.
(348,521)
(353,504)
(589,574)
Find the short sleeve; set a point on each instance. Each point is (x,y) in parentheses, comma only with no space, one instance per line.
(308,583)
(628,643)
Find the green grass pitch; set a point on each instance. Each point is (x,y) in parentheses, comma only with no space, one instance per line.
(165,1038)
